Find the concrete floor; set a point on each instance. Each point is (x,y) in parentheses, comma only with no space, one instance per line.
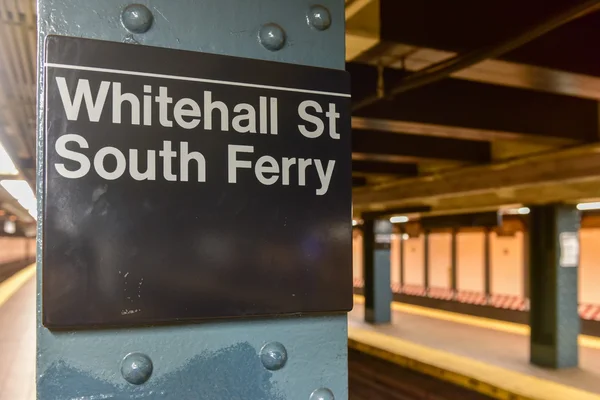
(491,346)
(17,344)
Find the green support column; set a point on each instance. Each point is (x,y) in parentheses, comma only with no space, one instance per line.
(453,263)
(377,289)
(426,262)
(554,259)
(526,266)
(401,259)
(487,268)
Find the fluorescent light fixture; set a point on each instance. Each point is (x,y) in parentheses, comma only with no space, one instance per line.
(10,227)
(514,211)
(7,167)
(589,206)
(20,190)
(398,219)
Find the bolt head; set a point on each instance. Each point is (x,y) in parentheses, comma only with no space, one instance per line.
(271,36)
(319,18)
(273,356)
(137,18)
(322,394)
(136,368)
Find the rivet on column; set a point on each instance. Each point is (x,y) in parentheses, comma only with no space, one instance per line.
(319,18)
(273,356)
(322,394)
(136,368)
(137,18)
(272,37)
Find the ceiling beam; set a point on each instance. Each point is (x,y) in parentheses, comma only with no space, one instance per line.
(358,181)
(386,146)
(451,26)
(512,40)
(579,164)
(362,26)
(353,7)
(497,72)
(385,168)
(500,111)
(408,209)
(456,132)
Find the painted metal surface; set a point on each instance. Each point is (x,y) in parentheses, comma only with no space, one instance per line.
(216,360)
(553,317)
(376,260)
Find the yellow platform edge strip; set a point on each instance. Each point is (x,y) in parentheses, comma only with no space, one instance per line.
(492,381)
(15,282)
(591,342)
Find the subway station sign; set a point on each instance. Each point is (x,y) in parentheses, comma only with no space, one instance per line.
(184,186)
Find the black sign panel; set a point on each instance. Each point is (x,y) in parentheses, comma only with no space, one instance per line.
(183,185)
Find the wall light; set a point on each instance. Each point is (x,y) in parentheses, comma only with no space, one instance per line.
(398,219)
(20,190)
(10,227)
(589,206)
(515,211)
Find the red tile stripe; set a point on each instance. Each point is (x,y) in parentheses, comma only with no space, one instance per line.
(587,311)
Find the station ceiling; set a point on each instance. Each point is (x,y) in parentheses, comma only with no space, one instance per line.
(519,127)
(512,125)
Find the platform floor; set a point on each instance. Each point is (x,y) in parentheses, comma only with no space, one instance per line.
(473,344)
(488,350)
(17,336)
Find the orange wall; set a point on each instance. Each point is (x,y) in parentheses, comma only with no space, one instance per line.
(413,261)
(589,266)
(440,260)
(357,254)
(15,249)
(395,259)
(470,261)
(507,263)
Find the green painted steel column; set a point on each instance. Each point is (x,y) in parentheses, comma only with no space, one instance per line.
(453,263)
(426,262)
(487,270)
(294,357)
(554,261)
(402,249)
(377,289)
(526,266)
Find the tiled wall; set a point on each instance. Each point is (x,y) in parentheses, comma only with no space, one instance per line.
(15,249)
(470,259)
(506,263)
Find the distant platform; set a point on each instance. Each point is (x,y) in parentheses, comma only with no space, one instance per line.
(487,356)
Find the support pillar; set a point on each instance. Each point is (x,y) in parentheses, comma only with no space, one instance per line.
(402,246)
(554,258)
(426,262)
(487,267)
(526,266)
(453,263)
(266,358)
(377,268)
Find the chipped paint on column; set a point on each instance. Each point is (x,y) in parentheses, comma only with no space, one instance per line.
(210,360)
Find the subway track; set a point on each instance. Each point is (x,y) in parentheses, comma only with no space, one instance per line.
(9,269)
(375,379)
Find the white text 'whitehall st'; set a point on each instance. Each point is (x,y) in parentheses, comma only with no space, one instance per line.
(154,107)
